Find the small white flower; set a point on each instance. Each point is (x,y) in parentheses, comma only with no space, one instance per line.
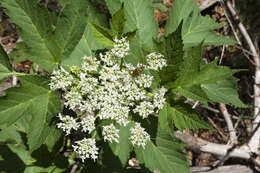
(67,123)
(90,64)
(158,99)
(144,80)
(155,61)
(60,79)
(110,133)
(87,84)
(139,136)
(73,99)
(88,123)
(86,148)
(144,109)
(121,48)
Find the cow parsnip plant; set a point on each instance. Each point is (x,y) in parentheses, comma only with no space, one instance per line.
(108,89)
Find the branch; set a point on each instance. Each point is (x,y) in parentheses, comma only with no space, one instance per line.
(254,141)
(200,145)
(231,130)
(206,4)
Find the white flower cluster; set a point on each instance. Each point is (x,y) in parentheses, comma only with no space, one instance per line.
(110,133)
(86,148)
(107,88)
(139,136)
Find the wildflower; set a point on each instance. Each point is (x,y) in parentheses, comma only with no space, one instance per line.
(88,123)
(144,80)
(90,64)
(73,99)
(60,79)
(121,48)
(158,98)
(139,136)
(86,148)
(110,133)
(155,61)
(144,109)
(67,123)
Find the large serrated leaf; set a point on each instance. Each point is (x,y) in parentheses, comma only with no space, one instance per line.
(195,28)
(86,45)
(223,91)
(181,10)
(32,106)
(35,29)
(164,119)
(207,83)
(139,18)
(184,117)
(167,156)
(172,47)
(70,25)
(114,5)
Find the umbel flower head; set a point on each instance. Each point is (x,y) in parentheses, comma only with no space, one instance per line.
(86,148)
(106,88)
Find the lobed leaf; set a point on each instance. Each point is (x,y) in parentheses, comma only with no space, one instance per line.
(34,28)
(31,107)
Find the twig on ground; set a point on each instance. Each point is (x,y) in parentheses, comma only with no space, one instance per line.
(232,132)
(206,4)
(222,54)
(222,134)
(197,144)
(191,102)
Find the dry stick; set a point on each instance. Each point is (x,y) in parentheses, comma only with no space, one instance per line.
(245,52)
(206,4)
(231,130)
(254,141)
(200,145)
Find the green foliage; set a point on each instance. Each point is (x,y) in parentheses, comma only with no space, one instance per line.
(31,107)
(166,155)
(195,27)
(35,28)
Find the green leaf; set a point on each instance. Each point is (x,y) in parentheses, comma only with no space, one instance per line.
(4,72)
(32,106)
(195,28)
(11,135)
(86,45)
(123,148)
(35,29)
(207,83)
(53,137)
(190,67)
(4,59)
(223,91)
(164,119)
(139,18)
(181,10)
(101,35)
(185,117)
(198,28)
(172,47)
(114,5)
(215,39)
(166,156)
(117,23)
(70,25)
(160,6)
